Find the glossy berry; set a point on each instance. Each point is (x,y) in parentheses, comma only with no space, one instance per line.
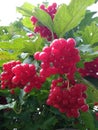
(90,69)
(7,75)
(24,76)
(58,58)
(71,42)
(68,99)
(85,108)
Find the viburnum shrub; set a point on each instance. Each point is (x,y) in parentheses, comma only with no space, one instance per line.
(49,69)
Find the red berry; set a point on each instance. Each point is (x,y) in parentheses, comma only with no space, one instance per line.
(85,108)
(81,101)
(15,80)
(12,91)
(71,42)
(43,56)
(36,55)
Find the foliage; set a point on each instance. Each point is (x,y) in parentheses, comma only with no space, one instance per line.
(19,41)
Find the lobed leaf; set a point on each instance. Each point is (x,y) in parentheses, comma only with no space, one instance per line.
(43,17)
(68,17)
(26,22)
(88,19)
(4,55)
(88,120)
(25,9)
(90,34)
(92,92)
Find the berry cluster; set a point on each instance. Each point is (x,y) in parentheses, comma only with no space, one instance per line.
(59,58)
(24,76)
(7,75)
(68,99)
(51,9)
(44,31)
(90,69)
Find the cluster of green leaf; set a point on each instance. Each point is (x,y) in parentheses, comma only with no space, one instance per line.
(15,42)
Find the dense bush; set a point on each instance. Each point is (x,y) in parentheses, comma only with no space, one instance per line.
(49,68)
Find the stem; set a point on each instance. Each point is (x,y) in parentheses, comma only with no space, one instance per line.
(87,83)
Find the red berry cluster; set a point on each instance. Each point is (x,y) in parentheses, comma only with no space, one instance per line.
(51,9)
(7,75)
(68,99)
(59,58)
(44,31)
(16,74)
(90,69)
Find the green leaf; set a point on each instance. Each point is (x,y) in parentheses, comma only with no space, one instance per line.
(43,17)
(16,44)
(19,45)
(4,55)
(92,92)
(85,48)
(4,92)
(10,105)
(48,123)
(68,17)
(88,120)
(26,9)
(90,34)
(89,56)
(92,95)
(17,107)
(94,81)
(88,19)
(5,37)
(26,22)
(88,52)
(33,45)
(2,62)
(61,20)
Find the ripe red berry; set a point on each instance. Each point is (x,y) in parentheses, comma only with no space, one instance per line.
(60,58)
(71,42)
(20,75)
(85,108)
(43,56)
(66,100)
(36,55)
(90,69)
